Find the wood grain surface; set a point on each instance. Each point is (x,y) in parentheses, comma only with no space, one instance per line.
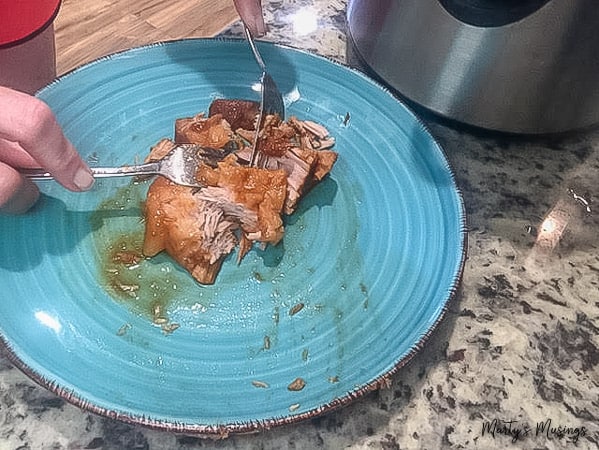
(89,29)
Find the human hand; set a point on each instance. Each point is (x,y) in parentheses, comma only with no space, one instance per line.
(251,14)
(30,137)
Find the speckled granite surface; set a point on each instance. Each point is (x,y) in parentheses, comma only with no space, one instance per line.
(515,364)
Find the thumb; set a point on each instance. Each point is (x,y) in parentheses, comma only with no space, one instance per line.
(17,194)
(31,123)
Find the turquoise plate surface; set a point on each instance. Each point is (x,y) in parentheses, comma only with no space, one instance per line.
(374,253)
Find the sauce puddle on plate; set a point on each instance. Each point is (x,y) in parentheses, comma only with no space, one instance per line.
(147,286)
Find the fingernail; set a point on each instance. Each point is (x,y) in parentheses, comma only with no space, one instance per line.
(83,179)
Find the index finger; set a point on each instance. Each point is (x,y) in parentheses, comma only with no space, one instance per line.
(30,122)
(250,12)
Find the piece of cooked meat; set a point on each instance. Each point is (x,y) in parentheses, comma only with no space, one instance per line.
(194,232)
(239,113)
(212,131)
(237,205)
(198,228)
(253,197)
(160,150)
(291,146)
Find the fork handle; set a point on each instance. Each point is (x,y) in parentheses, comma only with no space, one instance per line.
(152,168)
(257,56)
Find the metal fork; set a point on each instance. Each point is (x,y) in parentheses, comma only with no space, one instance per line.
(179,165)
(271,100)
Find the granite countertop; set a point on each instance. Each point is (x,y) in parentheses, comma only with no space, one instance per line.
(518,348)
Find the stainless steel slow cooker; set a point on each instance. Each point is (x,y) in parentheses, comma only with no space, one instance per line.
(519,66)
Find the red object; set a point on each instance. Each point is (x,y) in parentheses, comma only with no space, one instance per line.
(22,19)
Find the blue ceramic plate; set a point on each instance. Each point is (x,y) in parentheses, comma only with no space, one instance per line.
(373,254)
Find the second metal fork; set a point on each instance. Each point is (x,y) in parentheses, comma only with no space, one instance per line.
(271,100)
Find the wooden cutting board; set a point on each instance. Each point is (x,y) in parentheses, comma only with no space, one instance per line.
(89,29)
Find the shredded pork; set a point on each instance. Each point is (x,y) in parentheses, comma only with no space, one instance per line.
(238,205)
